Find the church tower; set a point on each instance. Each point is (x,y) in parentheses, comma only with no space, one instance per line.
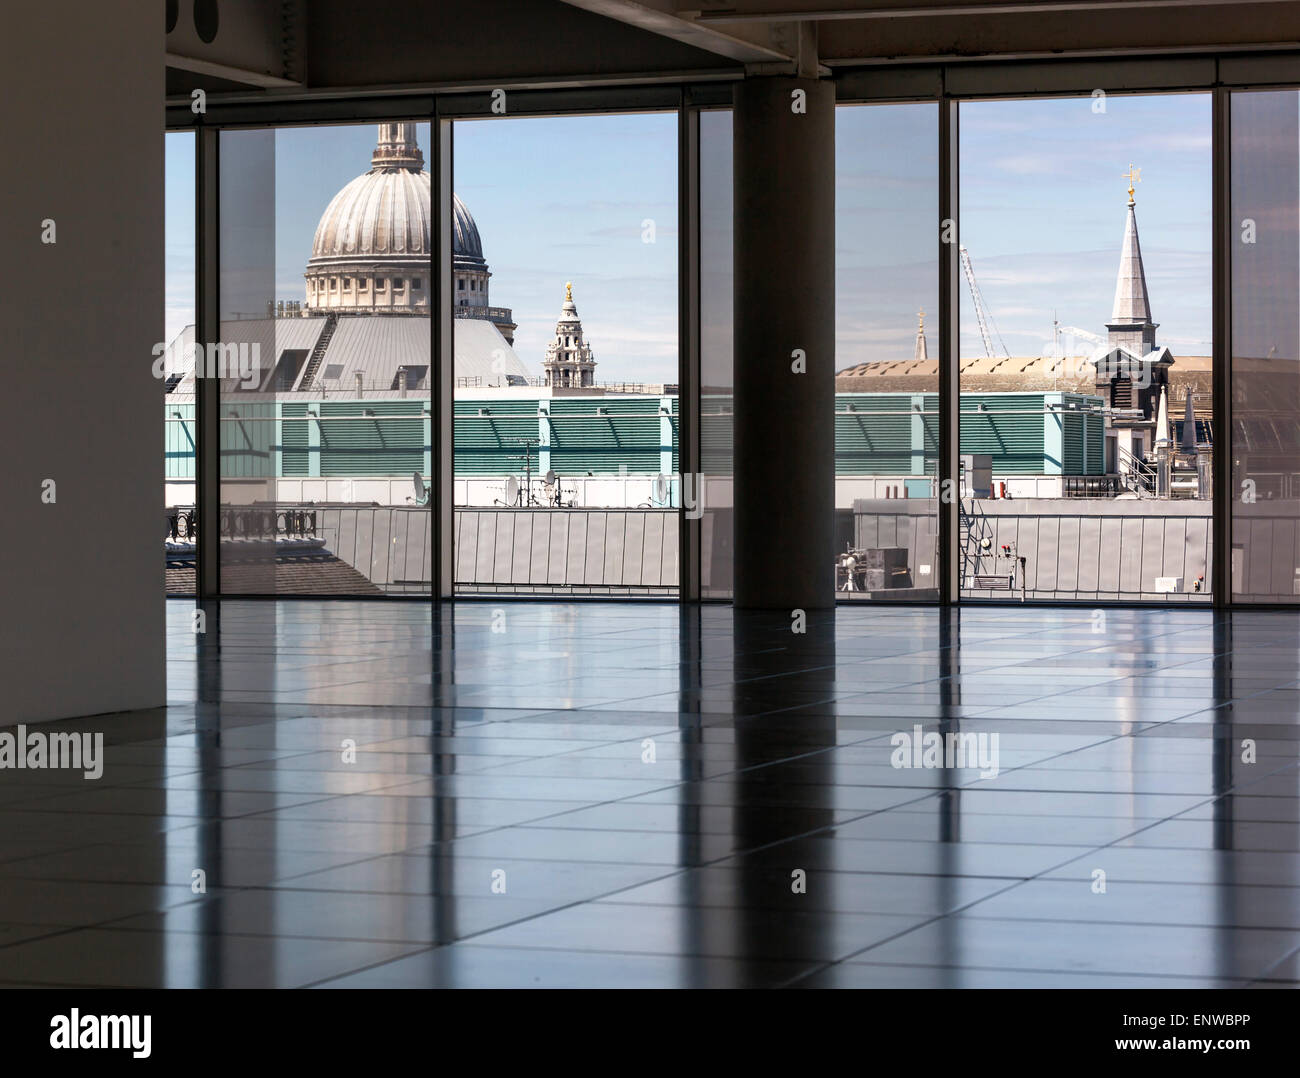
(568,361)
(919,351)
(1135,369)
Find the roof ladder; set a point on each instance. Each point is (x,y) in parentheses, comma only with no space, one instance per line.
(318,353)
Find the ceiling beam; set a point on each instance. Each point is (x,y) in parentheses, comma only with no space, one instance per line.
(227,72)
(745,44)
(761,11)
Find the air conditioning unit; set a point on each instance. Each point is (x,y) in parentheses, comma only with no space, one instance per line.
(1169,583)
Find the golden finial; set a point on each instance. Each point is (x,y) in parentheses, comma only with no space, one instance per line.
(920,318)
(1133,175)
(568,291)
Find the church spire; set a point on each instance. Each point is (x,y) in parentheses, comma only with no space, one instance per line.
(1131,303)
(397,148)
(1130,318)
(919,352)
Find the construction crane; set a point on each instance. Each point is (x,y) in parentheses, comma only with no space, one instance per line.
(982,315)
(1082,334)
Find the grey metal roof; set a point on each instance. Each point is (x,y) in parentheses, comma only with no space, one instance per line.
(373,345)
(376,346)
(273,336)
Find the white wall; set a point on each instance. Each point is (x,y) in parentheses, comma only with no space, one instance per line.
(81,580)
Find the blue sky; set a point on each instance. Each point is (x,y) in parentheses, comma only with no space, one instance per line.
(1042,213)
(564,198)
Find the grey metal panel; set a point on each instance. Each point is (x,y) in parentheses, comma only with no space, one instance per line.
(1153,553)
(633,547)
(1259,553)
(615,527)
(1048,547)
(540,528)
(597,528)
(327,520)
(1284,567)
(521,556)
(1067,554)
(1174,560)
(1087,576)
(502,548)
(891,532)
(364,531)
(401,563)
(670,574)
(381,547)
(347,541)
(1023,535)
(1130,554)
(557,547)
(468,531)
(575,569)
(1199,536)
(870,536)
(652,565)
(1109,571)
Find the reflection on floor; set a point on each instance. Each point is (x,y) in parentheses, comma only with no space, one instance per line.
(622,794)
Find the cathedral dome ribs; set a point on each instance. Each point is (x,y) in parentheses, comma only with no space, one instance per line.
(372,248)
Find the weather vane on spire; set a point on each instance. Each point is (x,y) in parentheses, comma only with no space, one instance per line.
(1133,175)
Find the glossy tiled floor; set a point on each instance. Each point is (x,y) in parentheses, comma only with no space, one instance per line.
(624,795)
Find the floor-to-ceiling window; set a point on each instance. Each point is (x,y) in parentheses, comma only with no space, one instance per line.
(1265,404)
(1085,348)
(887,376)
(1086,406)
(712,499)
(170,365)
(564,297)
(323,360)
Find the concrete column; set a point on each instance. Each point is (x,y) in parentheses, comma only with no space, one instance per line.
(784,250)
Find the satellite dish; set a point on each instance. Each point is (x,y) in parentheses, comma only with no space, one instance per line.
(421,491)
(512,490)
(551,477)
(661,487)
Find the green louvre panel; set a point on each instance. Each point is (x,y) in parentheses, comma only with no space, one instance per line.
(372,437)
(1083,432)
(1008,427)
(676,423)
(247,438)
(717,434)
(930,432)
(1096,445)
(602,435)
(179,437)
(294,439)
(873,433)
(483,431)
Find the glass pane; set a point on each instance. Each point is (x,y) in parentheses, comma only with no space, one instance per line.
(1265,131)
(326,439)
(178,322)
(1086,349)
(886,388)
(716,360)
(246,282)
(565,331)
